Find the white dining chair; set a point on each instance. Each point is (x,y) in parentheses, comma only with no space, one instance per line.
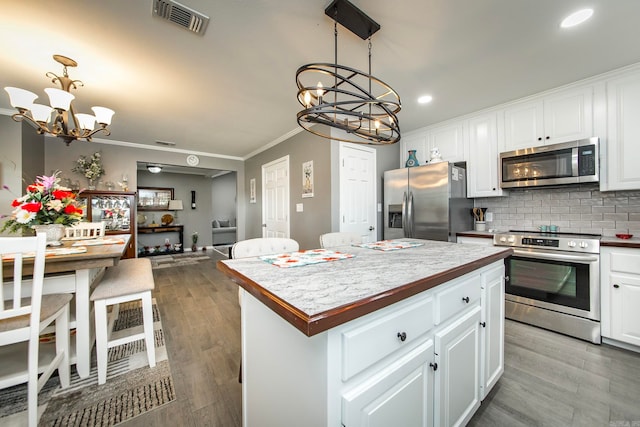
(24,315)
(85,230)
(339,238)
(258,247)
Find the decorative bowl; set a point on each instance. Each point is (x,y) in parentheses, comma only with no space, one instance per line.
(624,236)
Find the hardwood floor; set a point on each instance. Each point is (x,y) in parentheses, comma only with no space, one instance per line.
(549,379)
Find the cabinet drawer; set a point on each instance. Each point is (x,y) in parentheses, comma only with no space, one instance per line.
(456,298)
(364,345)
(624,262)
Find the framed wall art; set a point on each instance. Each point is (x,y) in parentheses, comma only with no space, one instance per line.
(154,198)
(307,179)
(252,190)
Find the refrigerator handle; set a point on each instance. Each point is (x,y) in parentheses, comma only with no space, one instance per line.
(404,214)
(410,212)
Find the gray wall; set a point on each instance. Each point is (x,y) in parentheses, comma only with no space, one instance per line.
(306,226)
(224,194)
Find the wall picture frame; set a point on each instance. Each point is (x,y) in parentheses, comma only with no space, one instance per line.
(252,190)
(307,179)
(154,198)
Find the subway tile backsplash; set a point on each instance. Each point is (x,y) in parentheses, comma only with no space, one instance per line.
(574,209)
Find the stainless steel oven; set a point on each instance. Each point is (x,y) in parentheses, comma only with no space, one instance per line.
(553,281)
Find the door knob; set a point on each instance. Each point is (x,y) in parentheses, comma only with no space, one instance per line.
(371,228)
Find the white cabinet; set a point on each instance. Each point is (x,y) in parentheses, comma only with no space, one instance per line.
(492,331)
(623,132)
(448,138)
(457,376)
(560,117)
(620,289)
(398,395)
(483,159)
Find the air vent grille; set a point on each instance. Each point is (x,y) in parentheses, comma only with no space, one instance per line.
(181,15)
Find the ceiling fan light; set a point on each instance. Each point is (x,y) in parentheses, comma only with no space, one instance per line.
(154,168)
(103,115)
(85,121)
(41,113)
(20,98)
(59,99)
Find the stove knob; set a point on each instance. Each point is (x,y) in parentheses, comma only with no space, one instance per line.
(584,245)
(512,239)
(503,239)
(571,244)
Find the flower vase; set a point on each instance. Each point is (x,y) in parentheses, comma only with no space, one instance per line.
(54,232)
(412,160)
(92,184)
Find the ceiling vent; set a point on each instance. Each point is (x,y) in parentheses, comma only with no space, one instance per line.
(180,14)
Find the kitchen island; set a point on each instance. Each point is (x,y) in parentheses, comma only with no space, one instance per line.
(412,335)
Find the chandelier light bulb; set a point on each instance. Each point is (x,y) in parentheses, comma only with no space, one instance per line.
(85,121)
(41,113)
(103,115)
(20,99)
(307,99)
(320,91)
(59,99)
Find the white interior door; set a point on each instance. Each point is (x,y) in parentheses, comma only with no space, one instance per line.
(275,198)
(358,190)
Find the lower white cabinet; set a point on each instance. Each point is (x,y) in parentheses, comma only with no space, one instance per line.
(492,331)
(475,240)
(620,289)
(457,349)
(398,395)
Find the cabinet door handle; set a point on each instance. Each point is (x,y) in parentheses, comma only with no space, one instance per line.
(539,138)
(483,324)
(434,366)
(465,299)
(402,336)
(616,286)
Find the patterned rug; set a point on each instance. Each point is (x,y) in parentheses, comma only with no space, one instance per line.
(132,388)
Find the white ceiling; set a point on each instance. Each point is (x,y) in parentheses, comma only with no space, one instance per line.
(232,91)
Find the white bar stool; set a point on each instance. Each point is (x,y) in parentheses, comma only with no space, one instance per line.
(130,280)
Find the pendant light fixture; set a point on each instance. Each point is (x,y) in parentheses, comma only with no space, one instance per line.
(343,98)
(59,119)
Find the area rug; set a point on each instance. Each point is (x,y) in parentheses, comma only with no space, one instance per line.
(132,388)
(177,260)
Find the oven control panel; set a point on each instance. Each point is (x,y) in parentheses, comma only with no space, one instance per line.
(534,241)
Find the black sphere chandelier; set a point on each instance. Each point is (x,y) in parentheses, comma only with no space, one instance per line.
(341,97)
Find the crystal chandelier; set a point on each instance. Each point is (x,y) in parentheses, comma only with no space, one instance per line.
(340,97)
(59,119)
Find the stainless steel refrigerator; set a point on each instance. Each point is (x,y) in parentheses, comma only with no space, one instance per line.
(427,202)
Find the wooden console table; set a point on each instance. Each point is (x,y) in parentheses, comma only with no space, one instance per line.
(163,229)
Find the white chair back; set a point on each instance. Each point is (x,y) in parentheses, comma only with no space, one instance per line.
(14,298)
(85,230)
(263,246)
(339,238)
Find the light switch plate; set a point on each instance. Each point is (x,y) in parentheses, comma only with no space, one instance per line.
(489,216)
(299,207)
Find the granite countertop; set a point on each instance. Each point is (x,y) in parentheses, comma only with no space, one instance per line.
(317,297)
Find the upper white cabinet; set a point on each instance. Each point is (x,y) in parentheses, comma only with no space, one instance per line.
(560,117)
(484,149)
(623,133)
(449,139)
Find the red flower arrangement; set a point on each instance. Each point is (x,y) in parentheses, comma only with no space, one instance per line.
(46,202)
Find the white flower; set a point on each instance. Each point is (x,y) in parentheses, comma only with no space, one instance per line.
(23,217)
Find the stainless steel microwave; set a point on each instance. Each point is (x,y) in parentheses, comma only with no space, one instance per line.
(571,162)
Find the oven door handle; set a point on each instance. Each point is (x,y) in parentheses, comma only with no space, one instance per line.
(556,256)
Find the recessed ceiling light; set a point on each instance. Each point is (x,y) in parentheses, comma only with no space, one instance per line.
(425,99)
(576,18)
